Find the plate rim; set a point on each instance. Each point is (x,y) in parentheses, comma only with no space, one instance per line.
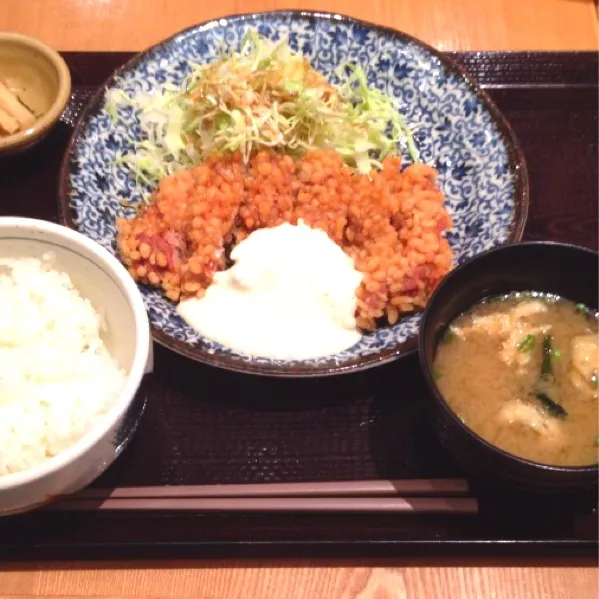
(516,161)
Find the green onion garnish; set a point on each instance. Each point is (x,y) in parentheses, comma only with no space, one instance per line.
(527,343)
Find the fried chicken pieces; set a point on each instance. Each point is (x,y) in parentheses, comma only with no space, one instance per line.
(390,223)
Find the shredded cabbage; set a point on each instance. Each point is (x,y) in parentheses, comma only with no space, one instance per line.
(264,96)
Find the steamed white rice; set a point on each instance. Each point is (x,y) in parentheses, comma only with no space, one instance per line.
(56,376)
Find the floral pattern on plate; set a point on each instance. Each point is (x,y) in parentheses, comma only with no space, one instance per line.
(456,128)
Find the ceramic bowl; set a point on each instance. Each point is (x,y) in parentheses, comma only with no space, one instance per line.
(457,129)
(100,278)
(43,82)
(565,270)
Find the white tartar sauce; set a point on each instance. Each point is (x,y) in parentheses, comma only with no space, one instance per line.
(291,295)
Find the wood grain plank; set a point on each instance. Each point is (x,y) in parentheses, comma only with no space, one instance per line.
(446,24)
(566,579)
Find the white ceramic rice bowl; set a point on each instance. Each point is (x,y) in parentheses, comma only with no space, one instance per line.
(105,282)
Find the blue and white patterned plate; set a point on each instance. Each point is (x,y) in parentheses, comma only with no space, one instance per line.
(458,130)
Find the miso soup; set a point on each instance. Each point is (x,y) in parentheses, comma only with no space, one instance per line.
(520,371)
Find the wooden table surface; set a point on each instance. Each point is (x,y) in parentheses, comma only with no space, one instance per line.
(448,25)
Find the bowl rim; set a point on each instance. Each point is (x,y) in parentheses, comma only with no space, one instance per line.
(517,166)
(43,123)
(140,359)
(433,388)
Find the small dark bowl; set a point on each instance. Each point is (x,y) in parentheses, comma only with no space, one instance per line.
(565,270)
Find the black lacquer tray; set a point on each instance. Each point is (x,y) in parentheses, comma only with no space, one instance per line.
(206,426)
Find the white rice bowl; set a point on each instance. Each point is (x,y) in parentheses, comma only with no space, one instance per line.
(69,374)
